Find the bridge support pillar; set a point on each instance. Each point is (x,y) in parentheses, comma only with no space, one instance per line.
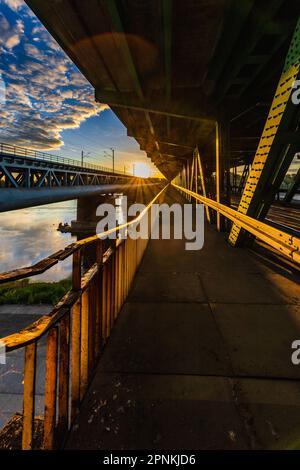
(87,220)
(86,223)
(86,211)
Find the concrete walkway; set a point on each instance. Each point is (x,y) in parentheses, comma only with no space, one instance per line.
(200,357)
(14,318)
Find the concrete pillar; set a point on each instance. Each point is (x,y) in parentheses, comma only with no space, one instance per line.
(85,225)
(86,222)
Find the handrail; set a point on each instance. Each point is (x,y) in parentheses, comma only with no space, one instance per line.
(40,327)
(48,262)
(77,328)
(15,151)
(287,244)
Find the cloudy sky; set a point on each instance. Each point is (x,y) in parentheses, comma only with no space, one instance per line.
(46,103)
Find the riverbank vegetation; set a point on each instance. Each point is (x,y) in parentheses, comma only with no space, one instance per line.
(25,292)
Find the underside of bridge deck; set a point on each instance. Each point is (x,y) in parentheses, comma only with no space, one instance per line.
(192,362)
(170,69)
(212,76)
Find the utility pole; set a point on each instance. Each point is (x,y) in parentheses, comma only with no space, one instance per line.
(111,156)
(133,168)
(83,156)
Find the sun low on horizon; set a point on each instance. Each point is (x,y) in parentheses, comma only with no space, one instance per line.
(142,169)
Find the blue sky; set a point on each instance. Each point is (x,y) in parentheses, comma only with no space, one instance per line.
(45,102)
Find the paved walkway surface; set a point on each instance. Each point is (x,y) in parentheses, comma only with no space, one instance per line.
(200,357)
(14,318)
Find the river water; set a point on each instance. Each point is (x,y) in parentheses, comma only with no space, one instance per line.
(29,235)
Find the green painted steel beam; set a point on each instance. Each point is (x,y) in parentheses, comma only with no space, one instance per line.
(272,157)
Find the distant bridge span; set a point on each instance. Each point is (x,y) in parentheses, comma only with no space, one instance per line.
(29,178)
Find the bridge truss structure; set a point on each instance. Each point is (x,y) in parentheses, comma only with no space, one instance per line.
(25,168)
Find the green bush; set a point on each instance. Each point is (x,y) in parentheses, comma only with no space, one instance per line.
(24,292)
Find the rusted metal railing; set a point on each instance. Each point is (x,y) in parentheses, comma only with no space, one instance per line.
(77,328)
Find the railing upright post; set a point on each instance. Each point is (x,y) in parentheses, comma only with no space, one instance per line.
(99,306)
(84,364)
(76,271)
(92,323)
(29,396)
(131,262)
(104,303)
(64,369)
(114,282)
(130,259)
(119,279)
(127,265)
(125,270)
(136,256)
(108,297)
(50,390)
(76,337)
(112,288)
(121,272)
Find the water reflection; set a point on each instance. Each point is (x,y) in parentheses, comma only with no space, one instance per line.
(29,235)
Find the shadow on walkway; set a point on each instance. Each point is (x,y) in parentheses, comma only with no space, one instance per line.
(200,357)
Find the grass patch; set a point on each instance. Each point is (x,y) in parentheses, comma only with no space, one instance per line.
(24,292)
